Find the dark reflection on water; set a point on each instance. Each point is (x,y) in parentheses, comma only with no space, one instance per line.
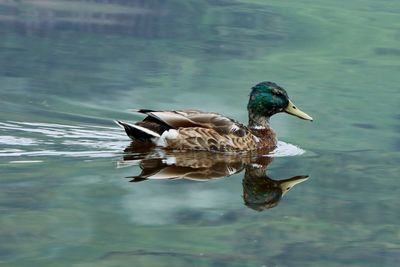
(260,192)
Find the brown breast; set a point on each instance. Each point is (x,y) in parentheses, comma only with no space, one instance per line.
(267,138)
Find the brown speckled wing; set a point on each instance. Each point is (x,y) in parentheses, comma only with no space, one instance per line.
(195,118)
(198,138)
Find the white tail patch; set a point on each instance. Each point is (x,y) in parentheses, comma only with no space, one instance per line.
(170,134)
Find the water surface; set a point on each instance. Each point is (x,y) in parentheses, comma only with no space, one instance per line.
(69,68)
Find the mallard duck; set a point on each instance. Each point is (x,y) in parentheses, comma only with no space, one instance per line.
(209,131)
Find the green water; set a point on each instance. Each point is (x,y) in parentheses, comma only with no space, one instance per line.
(69,68)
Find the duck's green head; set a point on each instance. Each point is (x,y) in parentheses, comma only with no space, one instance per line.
(268,98)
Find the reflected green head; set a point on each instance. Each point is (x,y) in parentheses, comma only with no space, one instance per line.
(267,98)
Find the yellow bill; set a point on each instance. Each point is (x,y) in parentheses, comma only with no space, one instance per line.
(287,184)
(293,110)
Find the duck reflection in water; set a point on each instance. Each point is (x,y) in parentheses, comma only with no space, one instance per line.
(260,192)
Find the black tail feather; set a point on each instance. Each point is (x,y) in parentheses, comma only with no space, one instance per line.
(135,133)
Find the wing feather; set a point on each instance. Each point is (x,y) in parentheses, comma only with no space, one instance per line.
(195,118)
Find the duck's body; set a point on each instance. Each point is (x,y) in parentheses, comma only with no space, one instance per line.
(197,130)
(208,131)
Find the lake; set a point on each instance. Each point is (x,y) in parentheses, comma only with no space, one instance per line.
(70,68)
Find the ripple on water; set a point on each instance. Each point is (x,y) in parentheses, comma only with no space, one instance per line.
(286,150)
(29,139)
(19,141)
